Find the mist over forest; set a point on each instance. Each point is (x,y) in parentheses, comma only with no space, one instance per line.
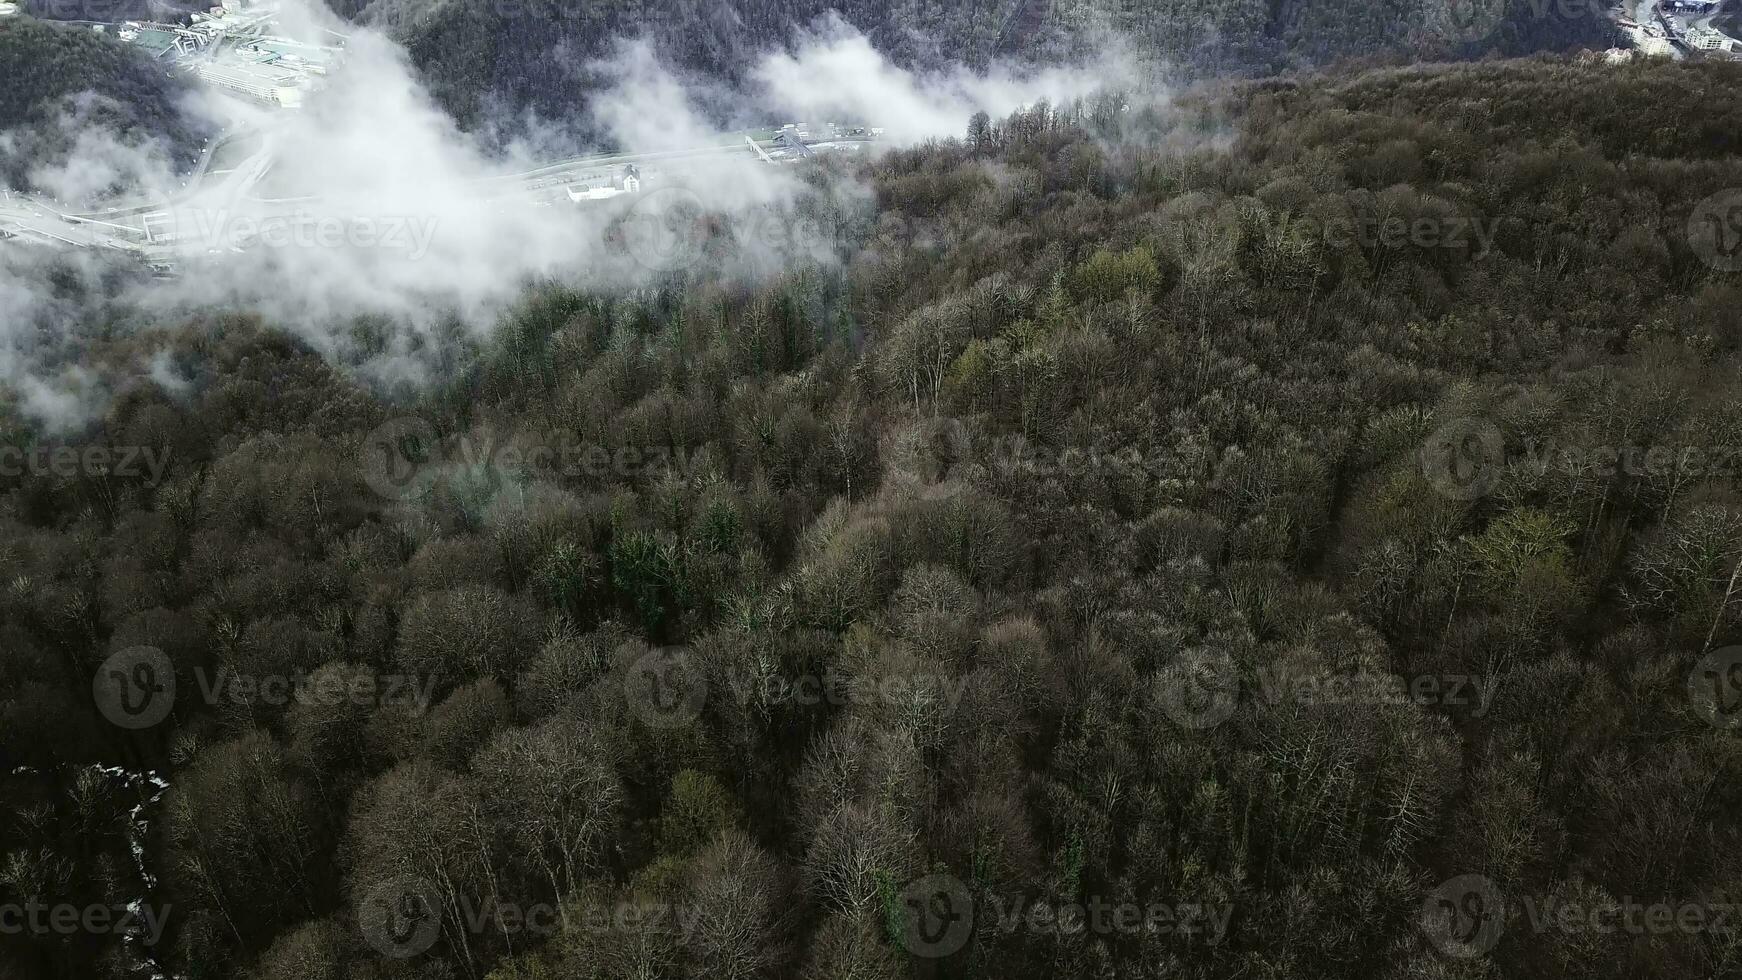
(590,491)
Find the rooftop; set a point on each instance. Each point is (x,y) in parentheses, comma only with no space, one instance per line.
(248,73)
(154,40)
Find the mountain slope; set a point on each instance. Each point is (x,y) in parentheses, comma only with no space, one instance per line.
(1288,530)
(63,82)
(529,53)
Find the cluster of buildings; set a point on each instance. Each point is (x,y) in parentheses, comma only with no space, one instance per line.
(796,140)
(1648,39)
(1671,28)
(834,131)
(232,47)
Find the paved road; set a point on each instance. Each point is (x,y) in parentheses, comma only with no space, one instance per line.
(149,227)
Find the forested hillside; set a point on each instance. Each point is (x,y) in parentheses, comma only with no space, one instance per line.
(109,11)
(1291,531)
(534,53)
(90,80)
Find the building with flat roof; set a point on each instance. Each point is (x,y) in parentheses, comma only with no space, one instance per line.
(582,192)
(1707,39)
(157,41)
(261,82)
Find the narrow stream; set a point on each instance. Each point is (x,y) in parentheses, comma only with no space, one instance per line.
(138,831)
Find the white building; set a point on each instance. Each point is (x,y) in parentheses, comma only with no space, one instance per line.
(1650,41)
(581,192)
(1707,39)
(261,82)
(626,182)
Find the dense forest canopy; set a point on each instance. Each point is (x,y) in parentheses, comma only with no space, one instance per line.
(1296,527)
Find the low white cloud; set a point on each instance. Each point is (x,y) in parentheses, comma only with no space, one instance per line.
(834,72)
(373,202)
